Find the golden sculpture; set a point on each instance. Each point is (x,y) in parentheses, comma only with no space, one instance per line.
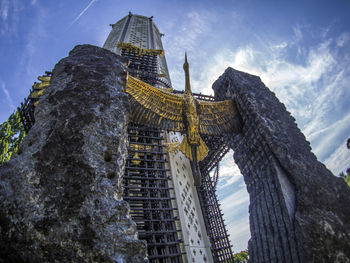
(181,113)
(135,146)
(39,88)
(171,146)
(159,108)
(139,50)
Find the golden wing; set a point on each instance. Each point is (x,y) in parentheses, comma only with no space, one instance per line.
(216,118)
(39,88)
(154,107)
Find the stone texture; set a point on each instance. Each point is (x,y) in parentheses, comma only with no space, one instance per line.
(299,211)
(59,197)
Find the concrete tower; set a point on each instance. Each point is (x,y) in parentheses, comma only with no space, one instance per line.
(158,183)
(141,32)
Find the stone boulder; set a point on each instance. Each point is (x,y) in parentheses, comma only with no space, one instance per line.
(60,195)
(299,211)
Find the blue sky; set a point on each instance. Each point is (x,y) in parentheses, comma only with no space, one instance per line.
(300,49)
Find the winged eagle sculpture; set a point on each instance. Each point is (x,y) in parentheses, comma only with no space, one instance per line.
(183,113)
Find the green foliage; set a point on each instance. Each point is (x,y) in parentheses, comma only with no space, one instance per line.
(242,256)
(11,136)
(347,179)
(346,176)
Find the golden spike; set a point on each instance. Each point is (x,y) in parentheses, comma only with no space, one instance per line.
(187,75)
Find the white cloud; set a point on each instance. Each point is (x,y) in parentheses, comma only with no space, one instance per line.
(235,210)
(337,159)
(342,39)
(10,16)
(229,172)
(234,200)
(327,144)
(298,35)
(312,91)
(281,73)
(239,232)
(7,94)
(83,12)
(4,9)
(34,35)
(235,203)
(186,37)
(279,46)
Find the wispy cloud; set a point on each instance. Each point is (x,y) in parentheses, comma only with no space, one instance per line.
(235,209)
(186,36)
(7,95)
(82,12)
(234,200)
(328,140)
(314,90)
(338,158)
(298,35)
(33,36)
(229,172)
(4,11)
(342,39)
(10,16)
(239,232)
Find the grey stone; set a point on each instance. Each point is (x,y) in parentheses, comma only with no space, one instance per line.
(60,196)
(299,211)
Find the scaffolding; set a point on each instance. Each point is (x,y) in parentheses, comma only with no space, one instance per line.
(213,217)
(145,67)
(146,189)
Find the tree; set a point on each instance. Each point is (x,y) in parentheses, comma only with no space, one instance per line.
(241,257)
(11,136)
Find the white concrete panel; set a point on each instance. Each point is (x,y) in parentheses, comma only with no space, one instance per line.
(194,234)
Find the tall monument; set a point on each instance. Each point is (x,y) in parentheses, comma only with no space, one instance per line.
(170,212)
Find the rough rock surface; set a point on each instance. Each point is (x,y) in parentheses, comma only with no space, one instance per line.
(299,211)
(59,196)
